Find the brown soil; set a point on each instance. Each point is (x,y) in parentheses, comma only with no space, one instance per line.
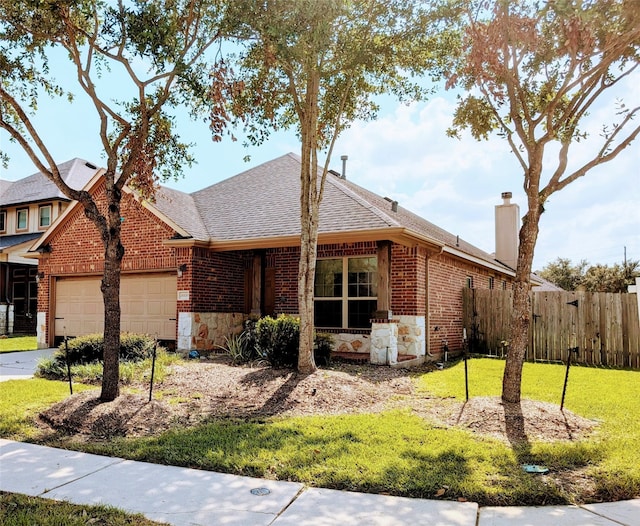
(196,391)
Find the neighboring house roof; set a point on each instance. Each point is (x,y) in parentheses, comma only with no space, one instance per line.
(4,187)
(7,242)
(543,285)
(37,187)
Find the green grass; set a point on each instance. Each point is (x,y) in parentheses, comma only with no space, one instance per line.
(20,510)
(22,400)
(611,457)
(18,343)
(399,453)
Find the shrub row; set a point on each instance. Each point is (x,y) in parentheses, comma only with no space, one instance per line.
(90,348)
(275,340)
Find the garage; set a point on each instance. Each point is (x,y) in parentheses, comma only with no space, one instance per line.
(148,303)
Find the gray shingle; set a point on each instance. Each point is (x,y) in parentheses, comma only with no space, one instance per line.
(37,187)
(12,241)
(264,202)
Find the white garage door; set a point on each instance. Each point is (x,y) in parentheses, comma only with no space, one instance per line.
(148,303)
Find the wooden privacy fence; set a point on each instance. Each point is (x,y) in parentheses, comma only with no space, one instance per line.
(604,326)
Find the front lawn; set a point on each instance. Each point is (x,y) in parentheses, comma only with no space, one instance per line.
(18,343)
(21,510)
(407,450)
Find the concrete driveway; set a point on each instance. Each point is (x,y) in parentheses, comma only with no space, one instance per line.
(21,365)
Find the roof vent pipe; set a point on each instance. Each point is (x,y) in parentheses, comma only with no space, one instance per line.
(344,158)
(394,206)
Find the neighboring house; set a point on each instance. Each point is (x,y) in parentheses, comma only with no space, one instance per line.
(28,207)
(539,284)
(197,265)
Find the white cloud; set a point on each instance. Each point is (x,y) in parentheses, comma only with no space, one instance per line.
(406,155)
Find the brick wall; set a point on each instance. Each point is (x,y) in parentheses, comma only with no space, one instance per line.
(447,278)
(408,279)
(285,261)
(77,249)
(216,281)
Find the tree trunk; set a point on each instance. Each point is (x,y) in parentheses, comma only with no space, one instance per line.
(310,198)
(114,252)
(521,311)
(306,278)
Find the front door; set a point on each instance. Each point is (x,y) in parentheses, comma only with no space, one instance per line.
(25,299)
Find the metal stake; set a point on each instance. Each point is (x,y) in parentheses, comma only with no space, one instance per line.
(571,350)
(566,375)
(153,368)
(66,355)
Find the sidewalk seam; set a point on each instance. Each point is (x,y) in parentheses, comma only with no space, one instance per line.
(603,516)
(295,497)
(48,490)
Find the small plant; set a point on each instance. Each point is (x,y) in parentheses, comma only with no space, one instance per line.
(235,345)
(323,345)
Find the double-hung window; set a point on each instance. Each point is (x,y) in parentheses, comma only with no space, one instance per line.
(345,292)
(3,221)
(44,216)
(22,219)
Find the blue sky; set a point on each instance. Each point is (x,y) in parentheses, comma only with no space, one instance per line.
(405,155)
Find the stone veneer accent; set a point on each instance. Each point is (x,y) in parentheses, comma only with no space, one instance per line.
(6,314)
(41,330)
(345,342)
(411,335)
(204,331)
(384,342)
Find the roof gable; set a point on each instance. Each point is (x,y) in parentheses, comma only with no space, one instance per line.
(38,187)
(261,207)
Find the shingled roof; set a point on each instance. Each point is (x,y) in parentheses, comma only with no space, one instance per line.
(38,187)
(263,204)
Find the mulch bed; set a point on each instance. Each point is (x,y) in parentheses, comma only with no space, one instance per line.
(196,391)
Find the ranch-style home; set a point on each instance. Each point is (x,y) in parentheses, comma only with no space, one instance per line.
(388,282)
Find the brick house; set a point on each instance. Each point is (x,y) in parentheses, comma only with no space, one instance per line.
(388,282)
(28,207)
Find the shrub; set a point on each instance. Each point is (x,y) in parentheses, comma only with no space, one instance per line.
(90,348)
(278,340)
(91,373)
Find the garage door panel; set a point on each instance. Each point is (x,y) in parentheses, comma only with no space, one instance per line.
(148,304)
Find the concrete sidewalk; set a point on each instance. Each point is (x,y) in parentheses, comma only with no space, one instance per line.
(21,365)
(188,497)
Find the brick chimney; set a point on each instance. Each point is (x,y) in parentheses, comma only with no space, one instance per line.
(507,229)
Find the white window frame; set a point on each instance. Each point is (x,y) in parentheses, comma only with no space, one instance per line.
(3,221)
(40,209)
(26,227)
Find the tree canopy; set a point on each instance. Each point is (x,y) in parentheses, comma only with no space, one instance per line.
(532,72)
(591,278)
(318,66)
(158,50)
